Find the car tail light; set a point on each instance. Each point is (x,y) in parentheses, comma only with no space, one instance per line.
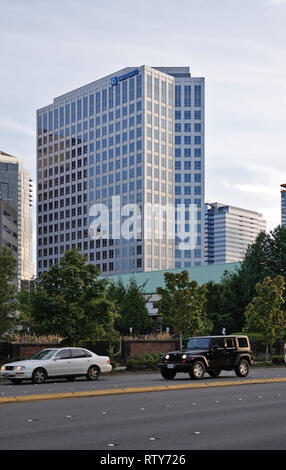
(108,360)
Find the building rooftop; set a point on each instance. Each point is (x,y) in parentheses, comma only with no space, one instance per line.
(154,279)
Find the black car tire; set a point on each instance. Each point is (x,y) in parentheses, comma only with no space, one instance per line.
(93,373)
(214,372)
(39,376)
(198,370)
(242,369)
(168,374)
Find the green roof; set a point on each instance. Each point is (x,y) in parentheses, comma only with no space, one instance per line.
(154,279)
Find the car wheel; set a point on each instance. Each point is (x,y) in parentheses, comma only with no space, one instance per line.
(39,376)
(214,372)
(242,369)
(16,381)
(168,374)
(198,371)
(93,373)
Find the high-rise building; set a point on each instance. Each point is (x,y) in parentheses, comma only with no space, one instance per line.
(16,214)
(283,205)
(132,141)
(229,231)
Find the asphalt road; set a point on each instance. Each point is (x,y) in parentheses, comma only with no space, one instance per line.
(236,418)
(120,380)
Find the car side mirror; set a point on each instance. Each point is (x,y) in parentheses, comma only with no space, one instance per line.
(214,347)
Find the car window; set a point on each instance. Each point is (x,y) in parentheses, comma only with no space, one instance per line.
(219,342)
(44,354)
(79,353)
(229,342)
(197,343)
(63,354)
(242,342)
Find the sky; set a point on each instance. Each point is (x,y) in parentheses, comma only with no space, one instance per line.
(48,48)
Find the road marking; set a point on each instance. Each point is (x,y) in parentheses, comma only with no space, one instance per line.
(131,390)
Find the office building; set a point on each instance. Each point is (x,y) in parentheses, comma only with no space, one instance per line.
(283,205)
(16,214)
(133,137)
(229,231)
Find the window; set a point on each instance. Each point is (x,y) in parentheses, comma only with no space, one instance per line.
(64,354)
(177,96)
(187,96)
(77,353)
(198,90)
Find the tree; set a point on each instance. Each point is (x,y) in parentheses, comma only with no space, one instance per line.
(217,309)
(69,300)
(131,304)
(265,314)
(182,305)
(8,304)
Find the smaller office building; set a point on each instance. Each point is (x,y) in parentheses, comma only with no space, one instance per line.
(154,279)
(229,231)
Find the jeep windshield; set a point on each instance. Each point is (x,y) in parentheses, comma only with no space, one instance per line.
(197,343)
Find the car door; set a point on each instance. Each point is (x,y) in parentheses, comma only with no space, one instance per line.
(62,363)
(230,352)
(81,359)
(218,353)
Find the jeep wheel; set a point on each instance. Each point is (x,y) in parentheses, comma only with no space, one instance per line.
(198,371)
(168,374)
(242,369)
(214,372)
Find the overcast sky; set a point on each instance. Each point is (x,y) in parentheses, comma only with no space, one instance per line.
(48,48)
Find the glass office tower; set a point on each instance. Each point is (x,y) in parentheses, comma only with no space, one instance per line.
(115,158)
(16,214)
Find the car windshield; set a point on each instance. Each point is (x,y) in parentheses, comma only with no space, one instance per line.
(45,354)
(197,343)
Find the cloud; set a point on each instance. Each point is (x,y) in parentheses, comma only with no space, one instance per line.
(276,2)
(8,124)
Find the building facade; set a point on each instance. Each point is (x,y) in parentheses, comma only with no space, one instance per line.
(283,205)
(132,142)
(16,214)
(229,231)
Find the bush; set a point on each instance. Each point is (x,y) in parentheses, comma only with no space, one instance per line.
(143,362)
(278,359)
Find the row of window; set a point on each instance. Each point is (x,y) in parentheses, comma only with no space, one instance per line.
(90,105)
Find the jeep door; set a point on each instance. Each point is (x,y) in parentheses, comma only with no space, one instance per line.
(230,352)
(218,355)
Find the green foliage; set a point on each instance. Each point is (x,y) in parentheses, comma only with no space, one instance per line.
(143,362)
(8,304)
(182,305)
(228,301)
(280,360)
(131,305)
(69,300)
(265,314)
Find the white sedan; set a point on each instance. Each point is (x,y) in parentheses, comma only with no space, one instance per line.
(57,362)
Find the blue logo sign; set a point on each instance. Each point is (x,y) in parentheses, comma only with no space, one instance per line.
(115,80)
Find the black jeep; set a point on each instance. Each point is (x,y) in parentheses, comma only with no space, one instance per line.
(210,354)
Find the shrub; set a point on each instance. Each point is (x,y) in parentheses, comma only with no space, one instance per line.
(143,362)
(278,359)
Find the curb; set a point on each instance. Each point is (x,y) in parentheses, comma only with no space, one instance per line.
(124,391)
